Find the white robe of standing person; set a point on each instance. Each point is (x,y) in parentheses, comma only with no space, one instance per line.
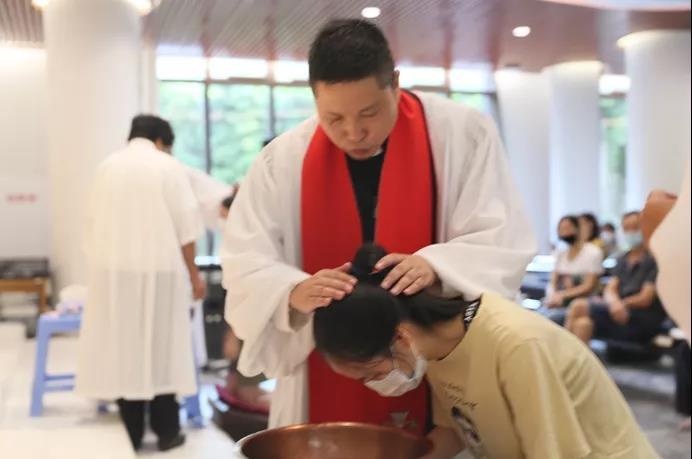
(135,338)
(484,240)
(209,192)
(670,244)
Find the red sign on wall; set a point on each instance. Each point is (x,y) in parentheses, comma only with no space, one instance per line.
(21,198)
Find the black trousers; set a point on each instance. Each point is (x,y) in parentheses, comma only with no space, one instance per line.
(164,417)
(682,379)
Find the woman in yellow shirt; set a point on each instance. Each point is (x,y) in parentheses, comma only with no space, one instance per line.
(590,231)
(506,382)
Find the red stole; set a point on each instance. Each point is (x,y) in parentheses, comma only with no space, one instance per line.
(331,234)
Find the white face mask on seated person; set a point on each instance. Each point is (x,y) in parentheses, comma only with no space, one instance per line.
(632,240)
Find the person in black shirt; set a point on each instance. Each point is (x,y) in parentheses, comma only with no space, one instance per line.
(630,309)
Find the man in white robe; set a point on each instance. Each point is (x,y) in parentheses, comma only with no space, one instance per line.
(135,344)
(482,239)
(210,194)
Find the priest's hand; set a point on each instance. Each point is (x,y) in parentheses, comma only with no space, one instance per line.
(322,288)
(410,275)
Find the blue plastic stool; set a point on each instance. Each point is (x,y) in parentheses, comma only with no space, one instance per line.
(193,411)
(191,403)
(48,325)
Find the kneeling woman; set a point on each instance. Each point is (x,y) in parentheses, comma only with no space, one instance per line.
(506,382)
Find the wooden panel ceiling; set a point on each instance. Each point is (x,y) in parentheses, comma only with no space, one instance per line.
(421,32)
(20,23)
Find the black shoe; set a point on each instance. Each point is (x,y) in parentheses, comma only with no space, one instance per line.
(166,444)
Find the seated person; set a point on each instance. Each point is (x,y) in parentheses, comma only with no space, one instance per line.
(609,238)
(578,265)
(506,383)
(240,391)
(590,231)
(629,309)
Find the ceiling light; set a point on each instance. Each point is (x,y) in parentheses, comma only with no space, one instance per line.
(521,31)
(370,12)
(143,7)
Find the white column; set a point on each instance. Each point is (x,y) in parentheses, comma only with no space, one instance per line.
(523,101)
(92,62)
(658,111)
(575,138)
(149,83)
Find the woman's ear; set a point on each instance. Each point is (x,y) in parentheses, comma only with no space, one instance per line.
(405,332)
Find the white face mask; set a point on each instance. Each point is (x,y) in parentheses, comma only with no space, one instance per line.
(632,240)
(397,382)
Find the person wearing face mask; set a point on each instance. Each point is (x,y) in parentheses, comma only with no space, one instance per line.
(505,382)
(578,265)
(590,231)
(610,243)
(419,173)
(630,309)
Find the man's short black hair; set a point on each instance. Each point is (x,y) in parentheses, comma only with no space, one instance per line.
(632,213)
(153,128)
(350,50)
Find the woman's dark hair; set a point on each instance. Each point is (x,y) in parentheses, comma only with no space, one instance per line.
(153,128)
(608,226)
(595,227)
(363,325)
(573,219)
(350,50)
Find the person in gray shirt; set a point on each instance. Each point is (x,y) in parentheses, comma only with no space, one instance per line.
(630,309)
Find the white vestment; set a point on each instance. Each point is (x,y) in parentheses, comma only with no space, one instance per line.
(210,192)
(485,241)
(135,339)
(670,245)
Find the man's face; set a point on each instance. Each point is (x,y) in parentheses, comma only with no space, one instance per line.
(357,116)
(631,224)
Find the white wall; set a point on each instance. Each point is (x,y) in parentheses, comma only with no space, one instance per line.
(25,216)
(24,210)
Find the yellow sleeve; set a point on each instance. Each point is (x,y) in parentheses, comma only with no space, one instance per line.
(545,420)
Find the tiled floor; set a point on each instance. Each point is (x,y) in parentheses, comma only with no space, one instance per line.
(70,428)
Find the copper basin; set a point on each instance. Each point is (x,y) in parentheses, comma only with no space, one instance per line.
(339,440)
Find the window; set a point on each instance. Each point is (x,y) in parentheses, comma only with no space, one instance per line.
(292,105)
(613,156)
(484,103)
(239,117)
(182,104)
